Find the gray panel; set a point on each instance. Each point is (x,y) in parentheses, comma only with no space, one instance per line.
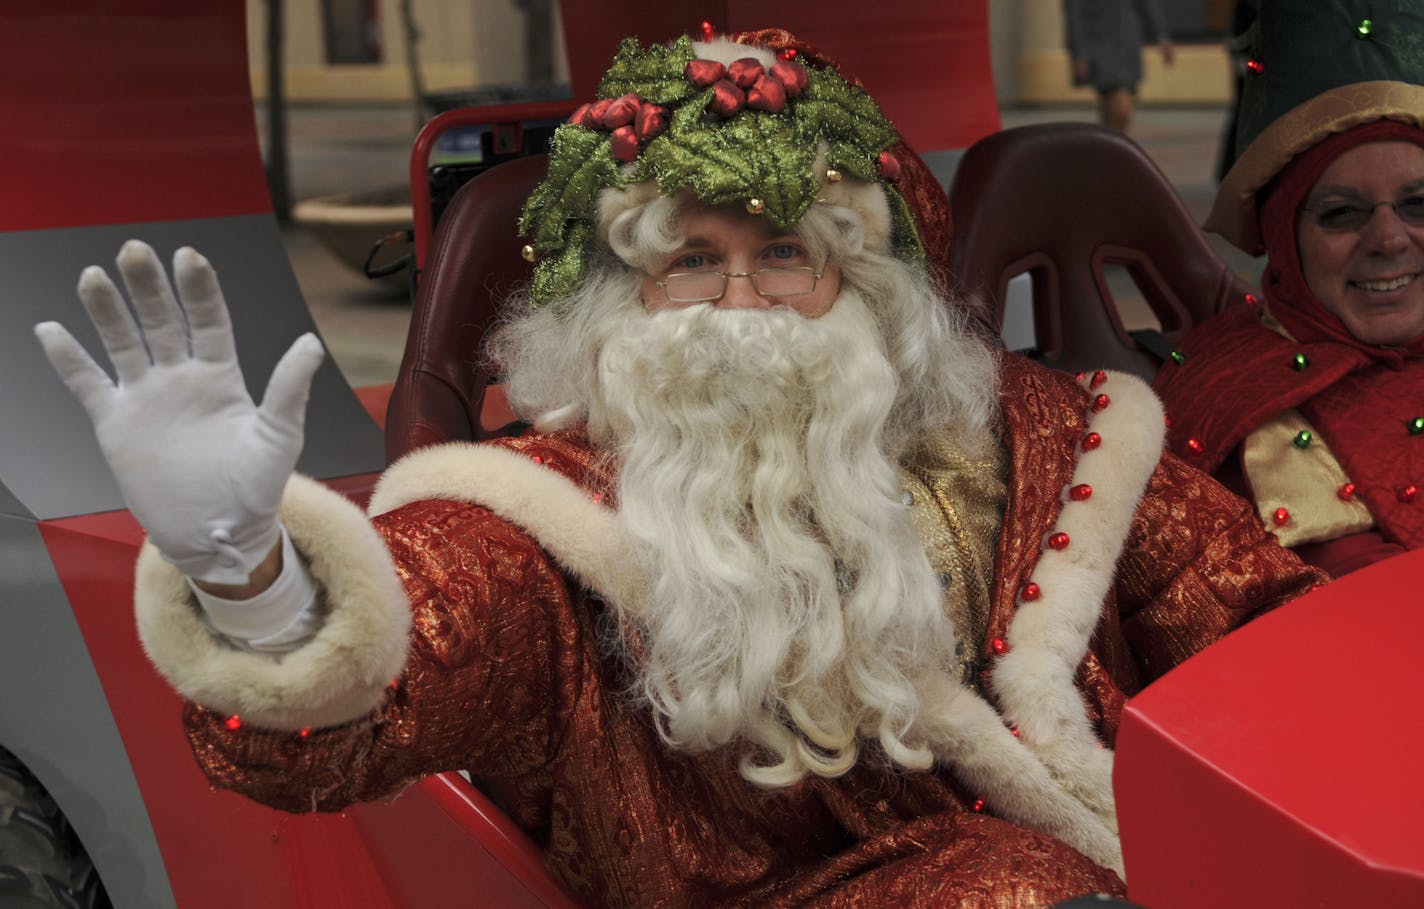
(48,456)
(11,506)
(54,717)
(943,164)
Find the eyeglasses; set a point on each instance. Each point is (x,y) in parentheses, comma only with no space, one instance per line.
(1343,217)
(706,286)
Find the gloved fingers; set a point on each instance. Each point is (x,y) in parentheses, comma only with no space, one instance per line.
(76,368)
(285,401)
(110,315)
(208,318)
(164,327)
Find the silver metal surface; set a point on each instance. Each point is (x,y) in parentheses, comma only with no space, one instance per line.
(54,717)
(49,459)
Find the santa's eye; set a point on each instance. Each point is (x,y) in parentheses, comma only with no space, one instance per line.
(691,262)
(784,254)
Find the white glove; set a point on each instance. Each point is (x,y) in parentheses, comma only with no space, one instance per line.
(199,465)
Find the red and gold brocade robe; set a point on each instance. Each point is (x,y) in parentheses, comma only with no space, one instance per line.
(505,674)
(1321,433)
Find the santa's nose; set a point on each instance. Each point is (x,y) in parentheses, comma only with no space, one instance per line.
(742,293)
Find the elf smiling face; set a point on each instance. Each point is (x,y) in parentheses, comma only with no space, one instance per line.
(1361,241)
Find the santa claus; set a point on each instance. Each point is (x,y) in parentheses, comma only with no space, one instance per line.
(799,590)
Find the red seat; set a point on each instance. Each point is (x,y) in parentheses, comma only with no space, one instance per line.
(474,264)
(1061,201)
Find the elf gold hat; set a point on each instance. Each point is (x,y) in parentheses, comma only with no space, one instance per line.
(1315,68)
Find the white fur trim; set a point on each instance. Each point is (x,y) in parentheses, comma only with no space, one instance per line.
(865,198)
(613,201)
(970,738)
(727,51)
(1048,638)
(339,676)
(581,535)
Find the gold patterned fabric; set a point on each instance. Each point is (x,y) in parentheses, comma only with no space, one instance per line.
(508,679)
(1304,479)
(957,504)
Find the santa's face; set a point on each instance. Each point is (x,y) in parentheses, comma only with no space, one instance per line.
(731,259)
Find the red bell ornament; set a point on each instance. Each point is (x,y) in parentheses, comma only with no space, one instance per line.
(888,165)
(727,99)
(792,75)
(624,144)
(703,73)
(652,119)
(581,117)
(597,111)
(768,95)
(621,111)
(745,72)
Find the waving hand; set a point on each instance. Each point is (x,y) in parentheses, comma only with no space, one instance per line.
(199,464)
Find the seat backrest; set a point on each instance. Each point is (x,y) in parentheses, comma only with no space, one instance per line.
(474,263)
(1060,202)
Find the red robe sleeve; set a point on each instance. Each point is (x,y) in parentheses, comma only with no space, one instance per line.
(1197,564)
(493,657)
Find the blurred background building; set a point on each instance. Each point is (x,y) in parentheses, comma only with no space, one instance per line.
(361,50)
(385,51)
(358,77)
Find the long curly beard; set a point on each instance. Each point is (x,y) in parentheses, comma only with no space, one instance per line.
(792,604)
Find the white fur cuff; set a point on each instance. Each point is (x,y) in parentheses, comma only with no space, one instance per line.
(339,676)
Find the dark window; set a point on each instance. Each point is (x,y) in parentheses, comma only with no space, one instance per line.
(1195,20)
(353,31)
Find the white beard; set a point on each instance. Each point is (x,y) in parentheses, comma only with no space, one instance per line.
(792,604)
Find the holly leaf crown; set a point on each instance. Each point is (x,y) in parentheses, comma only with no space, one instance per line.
(730,133)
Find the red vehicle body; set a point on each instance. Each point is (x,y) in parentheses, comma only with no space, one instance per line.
(135,119)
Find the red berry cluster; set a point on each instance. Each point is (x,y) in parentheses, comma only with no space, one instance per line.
(746,83)
(631,120)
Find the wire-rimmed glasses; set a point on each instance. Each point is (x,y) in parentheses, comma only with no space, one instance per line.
(707,286)
(1339,216)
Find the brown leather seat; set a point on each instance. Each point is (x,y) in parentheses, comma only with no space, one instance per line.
(1061,201)
(474,263)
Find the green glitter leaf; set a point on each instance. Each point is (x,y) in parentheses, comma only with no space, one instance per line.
(655,75)
(903,235)
(580,164)
(556,277)
(755,154)
(848,120)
